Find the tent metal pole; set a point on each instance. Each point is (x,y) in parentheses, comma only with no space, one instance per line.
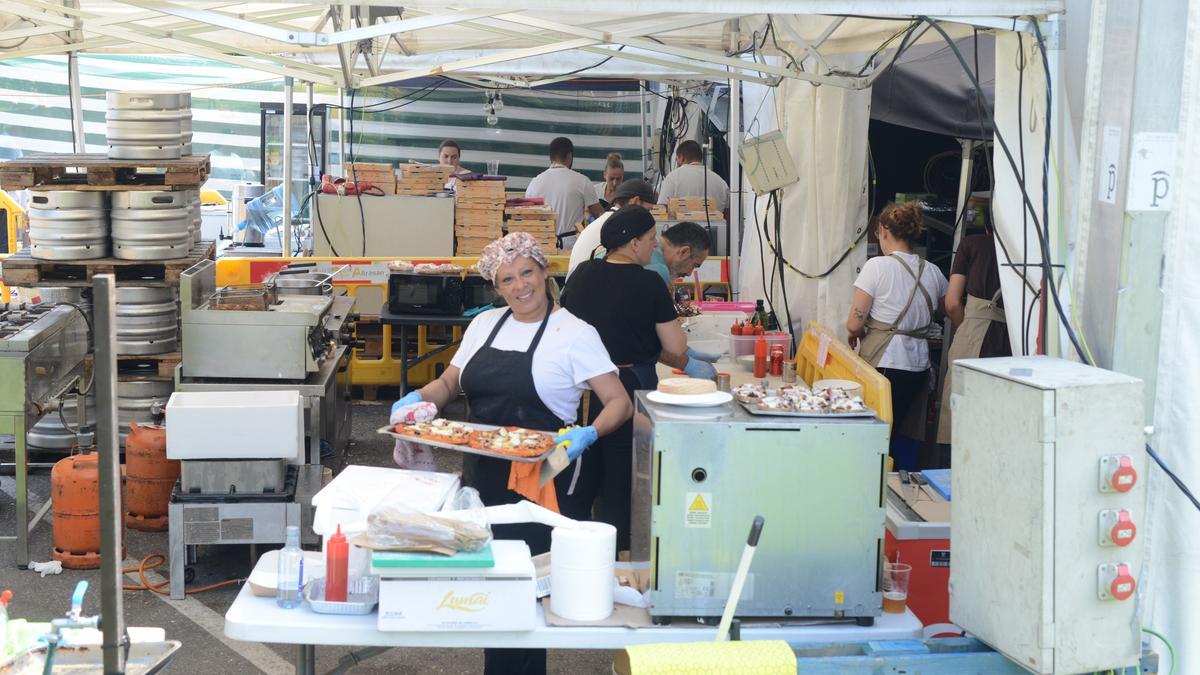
(964,187)
(341,130)
(733,234)
(288,91)
(642,129)
(112,607)
(77,137)
(310,140)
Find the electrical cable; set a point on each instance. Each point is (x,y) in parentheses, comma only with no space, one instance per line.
(1021,144)
(1165,641)
(159,560)
(1174,479)
(1046,265)
(1048,279)
(787,310)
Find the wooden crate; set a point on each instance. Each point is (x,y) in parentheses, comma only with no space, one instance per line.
(20,269)
(71,171)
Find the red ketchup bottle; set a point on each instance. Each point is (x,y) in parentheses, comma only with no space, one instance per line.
(760,357)
(337,560)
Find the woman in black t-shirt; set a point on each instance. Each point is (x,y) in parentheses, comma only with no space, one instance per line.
(631,308)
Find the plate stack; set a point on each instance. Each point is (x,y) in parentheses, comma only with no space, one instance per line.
(423,180)
(478,215)
(146,125)
(539,221)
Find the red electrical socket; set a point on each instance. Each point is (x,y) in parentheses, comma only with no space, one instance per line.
(1115,582)
(1116,528)
(1117,473)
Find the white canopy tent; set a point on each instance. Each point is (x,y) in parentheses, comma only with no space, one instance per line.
(842,45)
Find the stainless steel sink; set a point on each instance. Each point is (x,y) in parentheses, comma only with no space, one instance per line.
(144,658)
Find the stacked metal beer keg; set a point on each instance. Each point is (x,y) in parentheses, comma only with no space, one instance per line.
(129,225)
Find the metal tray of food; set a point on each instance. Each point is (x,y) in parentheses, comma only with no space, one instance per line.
(389,430)
(753,409)
(361,597)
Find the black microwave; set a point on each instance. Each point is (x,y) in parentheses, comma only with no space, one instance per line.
(411,293)
(478,292)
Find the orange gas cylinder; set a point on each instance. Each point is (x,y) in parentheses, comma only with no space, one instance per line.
(149,477)
(75,499)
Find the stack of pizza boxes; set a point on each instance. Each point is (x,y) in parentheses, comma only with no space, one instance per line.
(478,214)
(539,221)
(694,209)
(423,180)
(379,175)
(659,211)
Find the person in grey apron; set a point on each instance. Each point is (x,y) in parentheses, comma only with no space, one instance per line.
(502,389)
(896,298)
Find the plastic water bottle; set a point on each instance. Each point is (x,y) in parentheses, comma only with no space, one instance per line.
(291,571)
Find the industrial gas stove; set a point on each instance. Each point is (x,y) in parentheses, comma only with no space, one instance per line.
(42,350)
(701,475)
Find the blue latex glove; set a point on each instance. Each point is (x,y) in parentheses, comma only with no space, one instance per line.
(408,399)
(577,439)
(700,369)
(702,356)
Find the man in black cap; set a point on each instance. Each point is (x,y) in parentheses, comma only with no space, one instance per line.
(632,191)
(681,249)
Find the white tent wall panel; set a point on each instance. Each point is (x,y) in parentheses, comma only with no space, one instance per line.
(826,132)
(1008,207)
(1173,583)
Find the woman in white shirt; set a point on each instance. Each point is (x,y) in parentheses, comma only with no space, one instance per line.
(895,299)
(614,175)
(528,365)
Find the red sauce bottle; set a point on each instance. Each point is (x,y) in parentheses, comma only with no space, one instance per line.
(760,357)
(337,561)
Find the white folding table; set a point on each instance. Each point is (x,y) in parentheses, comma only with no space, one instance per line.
(259,619)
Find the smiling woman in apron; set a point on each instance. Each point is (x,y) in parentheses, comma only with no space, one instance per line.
(527,365)
(895,298)
(979,325)
(633,312)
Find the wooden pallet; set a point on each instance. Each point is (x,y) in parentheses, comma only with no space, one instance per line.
(68,171)
(20,269)
(148,366)
(134,367)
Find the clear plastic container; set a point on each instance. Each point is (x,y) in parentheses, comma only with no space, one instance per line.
(741,345)
(290,580)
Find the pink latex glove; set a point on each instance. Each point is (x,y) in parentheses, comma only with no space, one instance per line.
(411,455)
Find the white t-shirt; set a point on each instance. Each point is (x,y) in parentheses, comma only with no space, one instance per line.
(599,190)
(566,191)
(889,284)
(587,241)
(688,181)
(569,355)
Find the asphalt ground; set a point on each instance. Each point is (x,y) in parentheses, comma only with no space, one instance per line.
(198,621)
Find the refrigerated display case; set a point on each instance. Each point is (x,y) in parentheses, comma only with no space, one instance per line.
(271,139)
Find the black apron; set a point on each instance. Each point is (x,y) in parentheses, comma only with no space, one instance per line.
(499,388)
(614,485)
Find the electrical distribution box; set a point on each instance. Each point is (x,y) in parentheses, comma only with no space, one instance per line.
(1049,491)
